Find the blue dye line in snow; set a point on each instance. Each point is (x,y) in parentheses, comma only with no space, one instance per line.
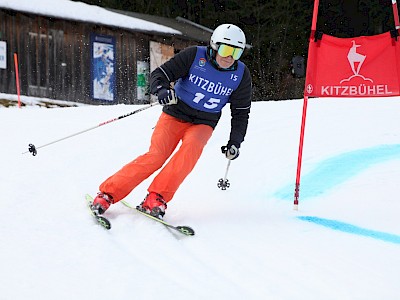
(336,170)
(348,228)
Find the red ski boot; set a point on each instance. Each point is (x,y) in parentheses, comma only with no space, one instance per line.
(154,205)
(101,203)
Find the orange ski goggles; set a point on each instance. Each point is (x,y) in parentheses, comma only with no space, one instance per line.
(226,50)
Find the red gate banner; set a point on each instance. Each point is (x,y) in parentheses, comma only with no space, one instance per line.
(366,66)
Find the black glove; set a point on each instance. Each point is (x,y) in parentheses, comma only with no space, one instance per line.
(166,96)
(231,150)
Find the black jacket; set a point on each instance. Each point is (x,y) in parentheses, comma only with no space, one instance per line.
(240,100)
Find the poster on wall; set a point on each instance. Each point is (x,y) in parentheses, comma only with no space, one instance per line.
(159,54)
(142,82)
(103,67)
(3,55)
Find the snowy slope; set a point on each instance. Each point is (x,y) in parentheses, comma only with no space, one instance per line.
(343,243)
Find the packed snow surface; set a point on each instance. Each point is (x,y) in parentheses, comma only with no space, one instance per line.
(342,243)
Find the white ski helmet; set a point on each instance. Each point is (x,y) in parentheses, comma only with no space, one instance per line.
(228,34)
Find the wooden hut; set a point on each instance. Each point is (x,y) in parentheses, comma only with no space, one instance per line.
(68,56)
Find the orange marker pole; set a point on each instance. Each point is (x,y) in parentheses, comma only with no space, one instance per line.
(17,79)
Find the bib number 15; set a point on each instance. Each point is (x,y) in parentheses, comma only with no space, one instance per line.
(211,103)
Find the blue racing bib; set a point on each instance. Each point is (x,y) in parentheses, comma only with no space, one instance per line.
(206,88)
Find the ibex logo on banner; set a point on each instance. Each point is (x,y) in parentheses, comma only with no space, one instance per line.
(352,77)
(356,61)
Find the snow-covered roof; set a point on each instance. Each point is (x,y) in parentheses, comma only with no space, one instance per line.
(79,11)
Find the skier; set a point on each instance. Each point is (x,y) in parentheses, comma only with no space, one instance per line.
(206,79)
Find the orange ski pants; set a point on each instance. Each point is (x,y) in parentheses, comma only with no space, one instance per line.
(168,132)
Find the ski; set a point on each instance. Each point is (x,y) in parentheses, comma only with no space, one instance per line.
(186,230)
(100,219)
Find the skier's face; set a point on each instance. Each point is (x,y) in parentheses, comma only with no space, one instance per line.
(224,62)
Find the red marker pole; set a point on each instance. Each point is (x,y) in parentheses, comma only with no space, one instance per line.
(396,14)
(300,155)
(17,79)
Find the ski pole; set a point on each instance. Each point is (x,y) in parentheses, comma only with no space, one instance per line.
(223,183)
(32,149)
